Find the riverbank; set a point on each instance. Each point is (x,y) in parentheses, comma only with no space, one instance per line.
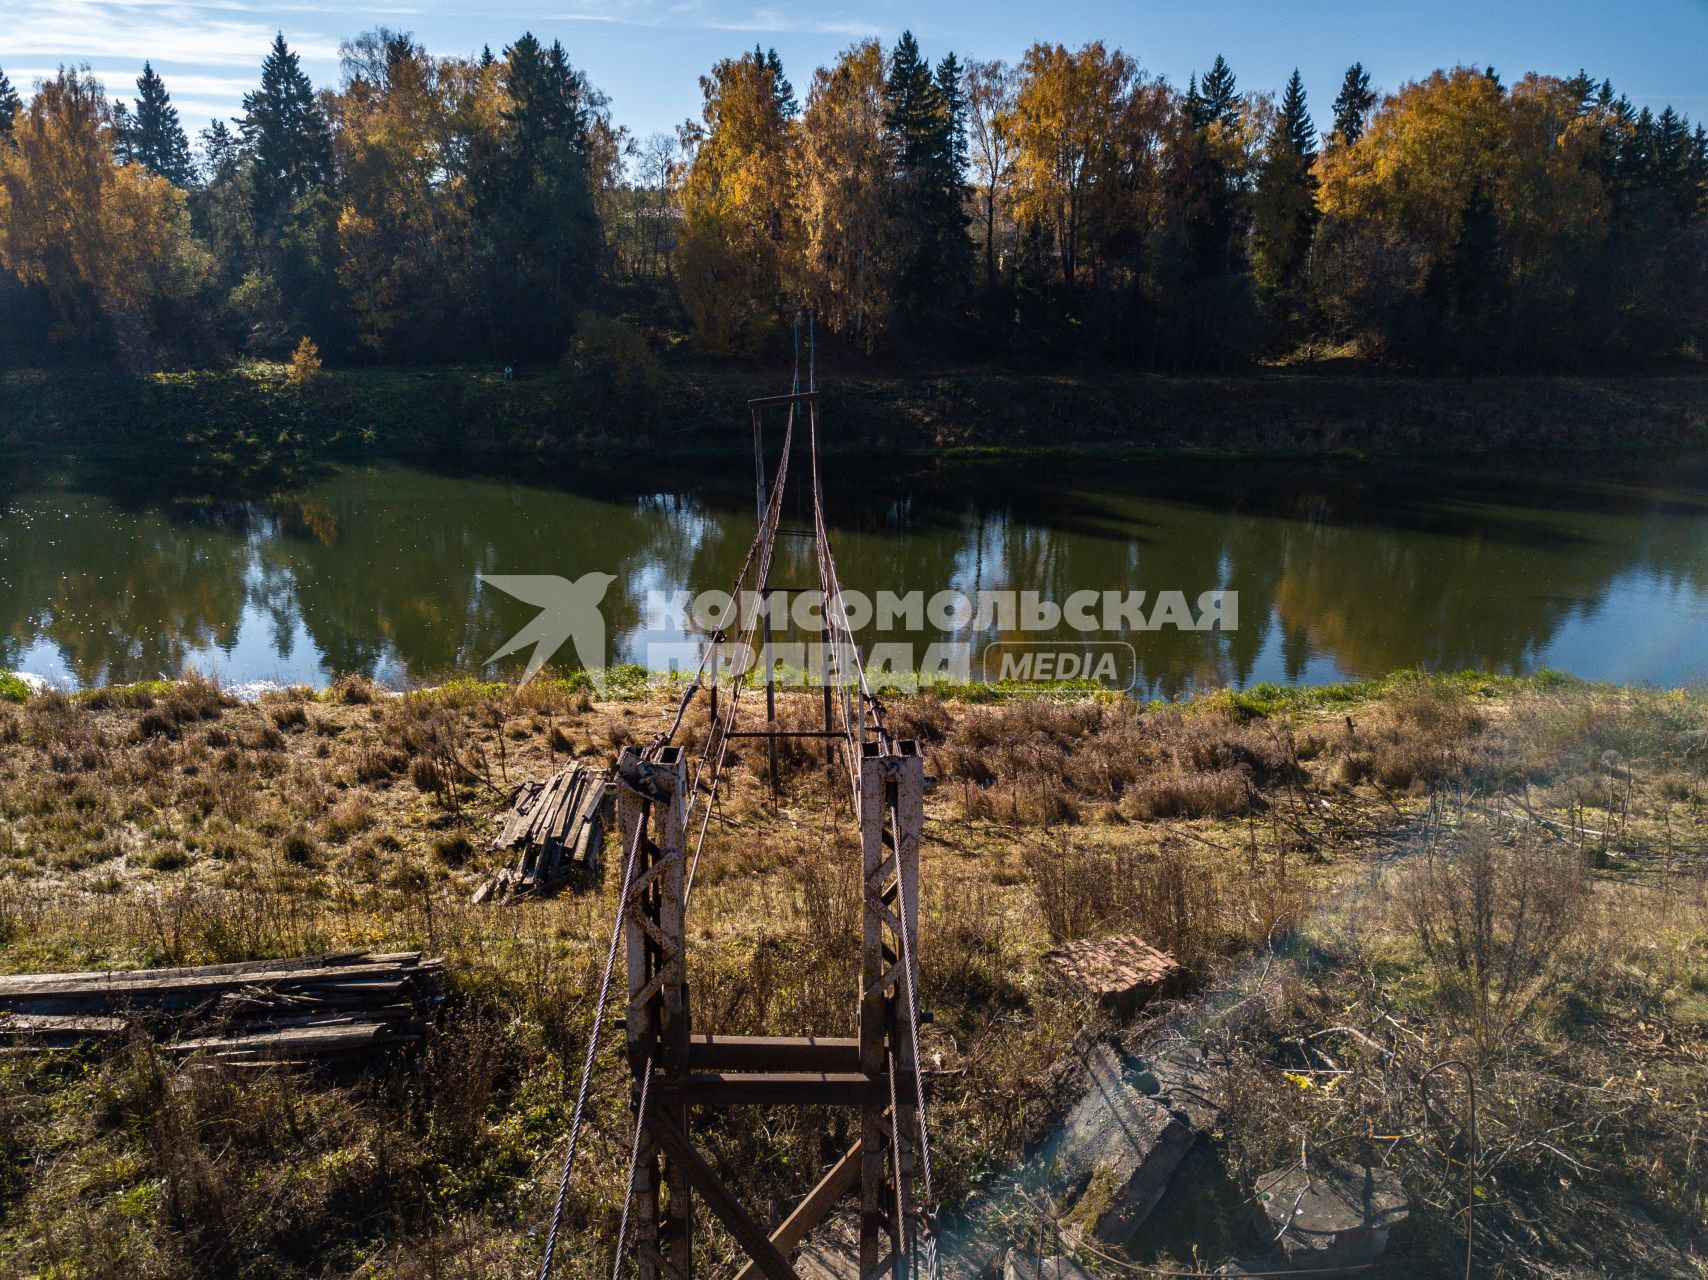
(254,413)
(171,824)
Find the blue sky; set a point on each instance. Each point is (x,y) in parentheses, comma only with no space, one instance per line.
(649,54)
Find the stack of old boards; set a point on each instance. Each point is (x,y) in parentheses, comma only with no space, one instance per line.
(551,827)
(263,1011)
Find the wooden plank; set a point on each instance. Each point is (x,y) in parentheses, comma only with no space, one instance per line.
(542,805)
(782,1088)
(55,1026)
(773,1053)
(550,862)
(146,990)
(813,1210)
(354,1037)
(342,961)
(748,1233)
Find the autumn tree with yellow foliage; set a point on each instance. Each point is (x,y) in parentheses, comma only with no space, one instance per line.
(842,171)
(1465,217)
(108,244)
(736,205)
(404,225)
(435,208)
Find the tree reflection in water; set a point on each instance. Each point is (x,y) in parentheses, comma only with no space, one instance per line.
(115,572)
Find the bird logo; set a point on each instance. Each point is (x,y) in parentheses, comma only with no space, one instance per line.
(568,611)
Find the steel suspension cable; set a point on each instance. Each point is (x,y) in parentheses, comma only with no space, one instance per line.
(629,1186)
(592,1053)
(910,974)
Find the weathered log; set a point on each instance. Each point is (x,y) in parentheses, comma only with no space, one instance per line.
(304,1007)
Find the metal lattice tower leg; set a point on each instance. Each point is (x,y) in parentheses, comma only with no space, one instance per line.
(892,808)
(652,800)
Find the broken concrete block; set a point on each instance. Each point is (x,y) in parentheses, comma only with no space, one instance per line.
(1332,1215)
(1190,1083)
(1121,973)
(1028,1267)
(1113,1156)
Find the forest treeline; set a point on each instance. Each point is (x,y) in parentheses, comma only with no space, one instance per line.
(1069,207)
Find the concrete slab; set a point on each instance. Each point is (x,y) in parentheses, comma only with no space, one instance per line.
(1026,1267)
(1111,1160)
(1332,1215)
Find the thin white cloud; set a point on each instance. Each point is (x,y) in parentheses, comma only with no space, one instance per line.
(702,16)
(90,30)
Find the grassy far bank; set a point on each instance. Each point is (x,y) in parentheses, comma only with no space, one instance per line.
(253,414)
(1378,854)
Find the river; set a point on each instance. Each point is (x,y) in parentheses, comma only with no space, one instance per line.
(111,571)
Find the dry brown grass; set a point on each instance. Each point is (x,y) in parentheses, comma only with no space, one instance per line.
(357,819)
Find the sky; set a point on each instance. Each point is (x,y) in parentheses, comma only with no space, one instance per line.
(648,54)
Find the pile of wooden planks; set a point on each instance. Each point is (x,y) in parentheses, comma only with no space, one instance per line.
(552,827)
(263,1011)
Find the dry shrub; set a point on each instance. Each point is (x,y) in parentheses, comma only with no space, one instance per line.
(354,691)
(1498,918)
(924,717)
(1418,739)
(1045,763)
(798,758)
(1166,896)
(967,965)
(424,772)
(830,894)
(289,715)
(347,818)
(1178,793)
(376,763)
(155,724)
(196,698)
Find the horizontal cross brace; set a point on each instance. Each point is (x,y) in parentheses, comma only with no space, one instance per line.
(797,397)
(788,733)
(782,1088)
(773,1053)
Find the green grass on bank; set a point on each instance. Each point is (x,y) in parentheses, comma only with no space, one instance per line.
(631,682)
(249,418)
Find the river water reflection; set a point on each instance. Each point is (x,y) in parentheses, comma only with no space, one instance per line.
(111,573)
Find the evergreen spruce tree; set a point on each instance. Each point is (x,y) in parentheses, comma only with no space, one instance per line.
(222,152)
(924,125)
(1352,105)
(954,100)
(1699,168)
(1207,194)
(1298,132)
(1284,215)
(287,133)
(1672,156)
(9,105)
(153,136)
(1217,96)
(538,223)
(781,90)
(1582,86)
(123,127)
